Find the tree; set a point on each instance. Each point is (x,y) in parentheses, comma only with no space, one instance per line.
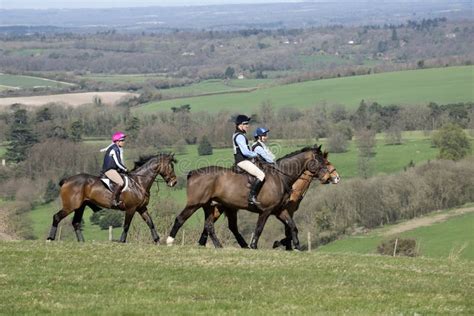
(44,115)
(452,142)
(76,131)
(133,127)
(205,147)
(365,142)
(52,191)
(229,72)
(20,137)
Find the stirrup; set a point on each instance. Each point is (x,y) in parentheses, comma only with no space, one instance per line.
(118,205)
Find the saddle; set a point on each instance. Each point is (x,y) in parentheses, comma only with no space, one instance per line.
(250,178)
(110,185)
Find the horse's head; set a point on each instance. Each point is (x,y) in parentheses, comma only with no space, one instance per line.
(318,166)
(166,169)
(334,175)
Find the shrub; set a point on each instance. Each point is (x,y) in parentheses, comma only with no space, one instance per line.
(404,247)
(112,218)
(205,147)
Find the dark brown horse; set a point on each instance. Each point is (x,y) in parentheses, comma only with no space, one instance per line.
(298,190)
(83,190)
(223,186)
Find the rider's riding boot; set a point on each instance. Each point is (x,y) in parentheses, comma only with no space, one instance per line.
(254,189)
(116,203)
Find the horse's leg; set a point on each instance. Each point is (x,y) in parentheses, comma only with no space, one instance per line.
(147,218)
(232,222)
(290,223)
(54,226)
(126,225)
(76,223)
(288,237)
(262,219)
(209,225)
(179,221)
(216,213)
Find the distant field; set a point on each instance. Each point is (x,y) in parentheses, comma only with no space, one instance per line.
(453,237)
(72,99)
(216,86)
(115,279)
(139,78)
(441,85)
(24,82)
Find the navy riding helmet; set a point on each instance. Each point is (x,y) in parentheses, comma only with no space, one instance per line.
(261,131)
(242,119)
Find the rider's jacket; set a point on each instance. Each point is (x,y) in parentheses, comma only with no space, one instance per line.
(262,150)
(241,147)
(113,159)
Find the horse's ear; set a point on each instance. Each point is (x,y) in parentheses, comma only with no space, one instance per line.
(319,148)
(325,155)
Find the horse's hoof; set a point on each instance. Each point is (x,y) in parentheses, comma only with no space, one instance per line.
(49,240)
(276,244)
(169,241)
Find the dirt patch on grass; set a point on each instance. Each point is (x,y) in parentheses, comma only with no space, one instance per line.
(426,221)
(72,99)
(4,233)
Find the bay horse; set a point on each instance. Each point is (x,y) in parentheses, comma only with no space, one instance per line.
(223,186)
(83,190)
(298,191)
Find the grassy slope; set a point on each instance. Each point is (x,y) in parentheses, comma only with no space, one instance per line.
(98,278)
(441,85)
(27,82)
(439,240)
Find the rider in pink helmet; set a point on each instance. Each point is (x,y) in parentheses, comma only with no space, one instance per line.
(113,164)
(118,136)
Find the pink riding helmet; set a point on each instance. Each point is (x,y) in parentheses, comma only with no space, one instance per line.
(118,136)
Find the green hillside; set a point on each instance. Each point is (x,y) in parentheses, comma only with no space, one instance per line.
(108,278)
(441,85)
(25,82)
(453,237)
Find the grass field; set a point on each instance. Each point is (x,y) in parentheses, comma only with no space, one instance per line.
(216,86)
(107,278)
(453,237)
(441,85)
(25,82)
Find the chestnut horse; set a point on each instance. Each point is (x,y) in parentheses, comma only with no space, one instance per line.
(83,190)
(220,185)
(298,190)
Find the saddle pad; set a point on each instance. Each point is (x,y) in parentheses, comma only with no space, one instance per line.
(109,183)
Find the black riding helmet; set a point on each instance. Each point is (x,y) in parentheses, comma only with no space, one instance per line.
(241,119)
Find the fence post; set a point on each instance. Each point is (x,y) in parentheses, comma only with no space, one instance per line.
(395,247)
(59,233)
(309,241)
(110,233)
(3,162)
(182,241)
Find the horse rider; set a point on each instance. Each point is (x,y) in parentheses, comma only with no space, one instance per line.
(113,165)
(259,147)
(243,156)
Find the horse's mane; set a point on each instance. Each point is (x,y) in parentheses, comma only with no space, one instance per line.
(296,152)
(145,158)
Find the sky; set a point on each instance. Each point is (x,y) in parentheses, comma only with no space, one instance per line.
(71,4)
